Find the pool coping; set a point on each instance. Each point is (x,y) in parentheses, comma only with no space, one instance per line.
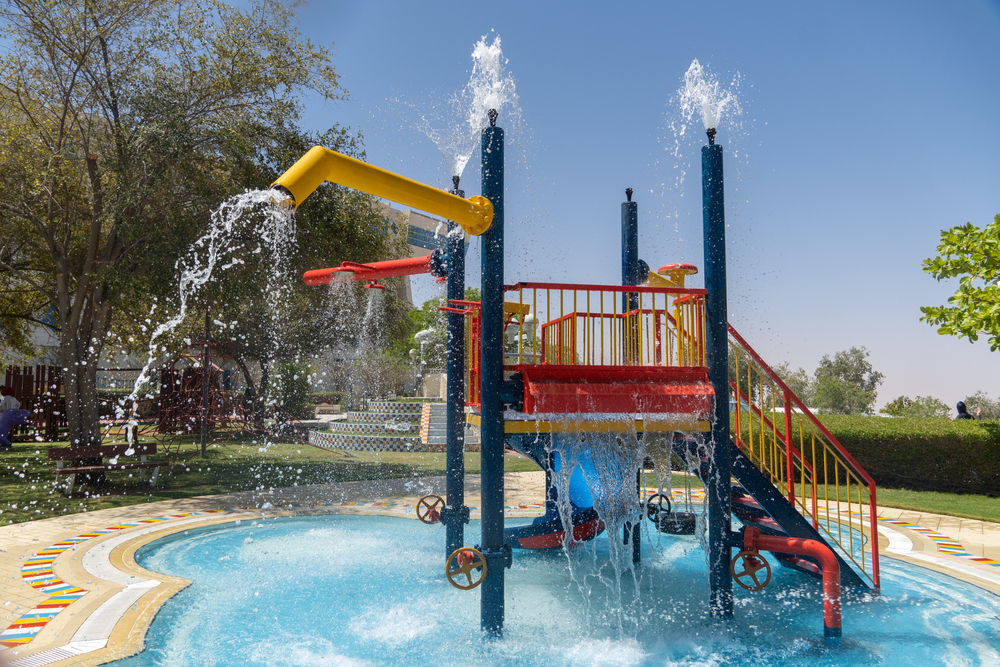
(110,621)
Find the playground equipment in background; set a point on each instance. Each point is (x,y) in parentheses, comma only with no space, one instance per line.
(652,351)
(40,390)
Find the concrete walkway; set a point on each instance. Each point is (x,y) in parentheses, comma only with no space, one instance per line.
(71,593)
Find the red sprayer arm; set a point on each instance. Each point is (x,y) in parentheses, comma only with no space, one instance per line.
(372,271)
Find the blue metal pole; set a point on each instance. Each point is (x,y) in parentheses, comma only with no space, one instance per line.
(456,514)
(717,349)
(630,250)
(630,303)
(496,552)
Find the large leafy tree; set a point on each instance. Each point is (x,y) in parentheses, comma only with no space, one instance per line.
(846,384)
(115,120)
(972,255)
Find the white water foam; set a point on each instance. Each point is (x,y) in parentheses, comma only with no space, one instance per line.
(456,129)
(260,215)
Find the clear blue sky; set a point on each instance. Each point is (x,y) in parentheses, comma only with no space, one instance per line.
(866,129)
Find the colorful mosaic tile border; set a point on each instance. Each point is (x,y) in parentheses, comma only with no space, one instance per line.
(377,443)
(425,422)
(945,544)
(396,408)
(37,573)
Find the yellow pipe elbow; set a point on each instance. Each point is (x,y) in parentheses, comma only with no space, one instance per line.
(321,164)
(656,280)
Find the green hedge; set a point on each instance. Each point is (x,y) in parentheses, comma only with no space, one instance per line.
(923,454)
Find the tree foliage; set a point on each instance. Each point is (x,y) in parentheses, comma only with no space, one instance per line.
(798,381)
(972,255)
(846,384)
(121,122)
(919,407)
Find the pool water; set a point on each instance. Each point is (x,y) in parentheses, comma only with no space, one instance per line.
(350,591)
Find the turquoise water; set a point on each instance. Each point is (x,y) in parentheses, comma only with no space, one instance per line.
(350,591)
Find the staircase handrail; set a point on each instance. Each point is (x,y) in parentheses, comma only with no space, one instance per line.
(774,377)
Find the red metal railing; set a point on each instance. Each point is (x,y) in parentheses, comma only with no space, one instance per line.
(602,325)
(783,438)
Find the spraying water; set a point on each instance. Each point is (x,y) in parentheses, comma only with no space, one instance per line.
(702,95)
(456,130)
(260,215)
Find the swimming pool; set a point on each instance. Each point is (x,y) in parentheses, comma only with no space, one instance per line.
(354,591)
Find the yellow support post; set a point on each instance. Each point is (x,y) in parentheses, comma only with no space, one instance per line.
(321,164)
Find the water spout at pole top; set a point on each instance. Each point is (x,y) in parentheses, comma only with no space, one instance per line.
(711,136)
(492,113)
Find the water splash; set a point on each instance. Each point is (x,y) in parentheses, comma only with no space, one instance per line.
(700,97)
(610,463)
(261,215)
(702,94)
(455,129)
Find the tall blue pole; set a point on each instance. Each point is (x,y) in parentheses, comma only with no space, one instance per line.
(717,349)
(630,303)
(456,514)
(496,552)
(630,250)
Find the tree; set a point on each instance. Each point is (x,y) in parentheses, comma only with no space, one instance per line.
(847,383)
(798,381)
(973,255)
(919,407)
(114,119)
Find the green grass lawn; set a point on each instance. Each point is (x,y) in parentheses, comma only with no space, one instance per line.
(26,490)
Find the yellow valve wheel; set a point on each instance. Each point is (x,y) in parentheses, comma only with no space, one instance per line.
(429,508)
(467,561)
(750,563)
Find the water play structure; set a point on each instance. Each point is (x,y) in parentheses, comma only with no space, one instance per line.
(594,381)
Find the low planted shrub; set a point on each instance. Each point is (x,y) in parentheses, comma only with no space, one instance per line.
(923,454)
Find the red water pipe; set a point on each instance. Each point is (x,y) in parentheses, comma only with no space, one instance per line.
(372,271)
(754,540)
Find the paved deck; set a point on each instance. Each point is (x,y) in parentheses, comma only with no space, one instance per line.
(71,593)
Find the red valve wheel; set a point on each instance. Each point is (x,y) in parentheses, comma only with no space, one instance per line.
(429,508)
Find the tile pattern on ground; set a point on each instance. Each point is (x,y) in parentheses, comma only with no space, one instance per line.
(37,573)
(945,544)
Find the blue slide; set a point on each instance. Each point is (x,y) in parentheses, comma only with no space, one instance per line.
(548,531)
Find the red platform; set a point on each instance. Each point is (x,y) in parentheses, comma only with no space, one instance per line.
(617,389)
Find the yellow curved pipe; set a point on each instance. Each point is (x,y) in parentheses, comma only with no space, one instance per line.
(656,280)
(321,164)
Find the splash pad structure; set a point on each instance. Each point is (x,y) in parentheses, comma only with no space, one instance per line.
(616,376)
